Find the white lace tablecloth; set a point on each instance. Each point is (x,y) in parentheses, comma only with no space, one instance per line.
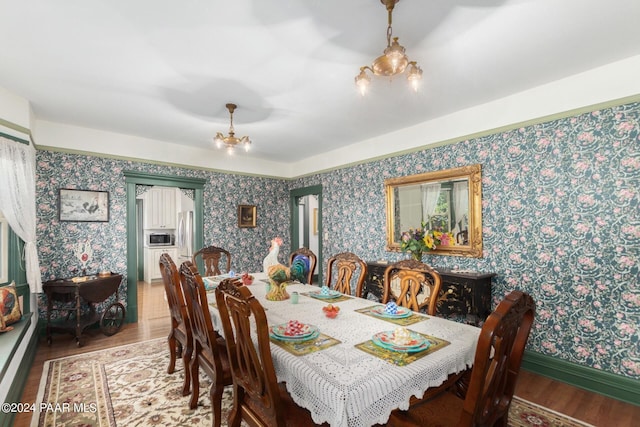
(345,386)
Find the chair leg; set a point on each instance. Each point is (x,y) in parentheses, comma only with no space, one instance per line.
(215,394)
(186,361)
(172,353)
(195,382)
(235,416)
(502,422)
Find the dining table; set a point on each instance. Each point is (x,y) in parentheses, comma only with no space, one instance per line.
(348,373)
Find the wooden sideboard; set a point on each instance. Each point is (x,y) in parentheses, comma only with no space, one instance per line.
(463,292)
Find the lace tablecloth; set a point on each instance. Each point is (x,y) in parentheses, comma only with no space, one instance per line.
(345,386)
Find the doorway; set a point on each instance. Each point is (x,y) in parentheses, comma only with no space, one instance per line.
(306,223)
(133,178)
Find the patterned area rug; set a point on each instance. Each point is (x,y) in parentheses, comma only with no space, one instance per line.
(130,384)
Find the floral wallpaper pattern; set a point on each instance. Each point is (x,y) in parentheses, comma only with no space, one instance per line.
(222,194)
(560,221)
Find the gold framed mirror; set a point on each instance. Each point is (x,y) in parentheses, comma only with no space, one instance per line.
(448,200)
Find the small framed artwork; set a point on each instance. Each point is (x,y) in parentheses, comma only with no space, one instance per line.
(83,205)
(247,216)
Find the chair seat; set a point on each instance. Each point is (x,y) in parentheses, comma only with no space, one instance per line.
(224,361)
(443,410)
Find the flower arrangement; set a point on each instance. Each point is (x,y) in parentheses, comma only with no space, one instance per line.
(419,240)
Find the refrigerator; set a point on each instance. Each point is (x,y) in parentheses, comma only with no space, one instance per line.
(184,240)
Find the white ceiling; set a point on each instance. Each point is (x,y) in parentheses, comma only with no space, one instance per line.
(164,69)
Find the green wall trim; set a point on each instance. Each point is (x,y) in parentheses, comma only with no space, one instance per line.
(17,386)
(14,138)
(295,223)
(145,178)
(16,127)
(152,162)
(132,178)
(537,120)
(486,132)
(594,380)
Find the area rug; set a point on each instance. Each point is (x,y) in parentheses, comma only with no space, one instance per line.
(129,386)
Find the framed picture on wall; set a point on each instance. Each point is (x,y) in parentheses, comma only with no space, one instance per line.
(83,205)
(247,216)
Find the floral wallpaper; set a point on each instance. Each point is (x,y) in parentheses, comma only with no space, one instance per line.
(560,221)
(222,194)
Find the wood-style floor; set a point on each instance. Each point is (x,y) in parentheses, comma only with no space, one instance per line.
(154,323)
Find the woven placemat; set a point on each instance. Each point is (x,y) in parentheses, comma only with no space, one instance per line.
(301,348)
(402,321)
(327,300)
(402,359)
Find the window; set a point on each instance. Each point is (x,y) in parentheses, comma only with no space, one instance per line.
(4,249)
(441,219)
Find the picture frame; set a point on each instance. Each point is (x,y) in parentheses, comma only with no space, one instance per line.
(247,216)
(83,205)
(315,221)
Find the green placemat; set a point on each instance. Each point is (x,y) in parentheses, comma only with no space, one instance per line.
(342,297)
(402,359)
(402,321)
(305,347)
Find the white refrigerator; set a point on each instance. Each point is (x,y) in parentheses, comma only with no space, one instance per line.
(184,240)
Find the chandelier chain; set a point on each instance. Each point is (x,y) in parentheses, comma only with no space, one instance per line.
(389,29)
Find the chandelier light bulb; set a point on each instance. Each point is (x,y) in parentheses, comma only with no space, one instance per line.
(363,81)
(415,76)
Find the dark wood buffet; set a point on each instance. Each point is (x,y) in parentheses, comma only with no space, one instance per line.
(463,294)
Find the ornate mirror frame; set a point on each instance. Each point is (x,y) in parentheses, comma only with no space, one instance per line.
(473,175)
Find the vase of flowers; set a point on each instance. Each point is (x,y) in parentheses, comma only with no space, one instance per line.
(420,240)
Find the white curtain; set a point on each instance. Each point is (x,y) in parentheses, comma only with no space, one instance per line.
(430,195)
(18,201)
(460,200)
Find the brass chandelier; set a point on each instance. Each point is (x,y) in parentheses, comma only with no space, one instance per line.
(392,62)
(231,141)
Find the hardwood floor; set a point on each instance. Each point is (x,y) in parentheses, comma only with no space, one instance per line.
(153,323)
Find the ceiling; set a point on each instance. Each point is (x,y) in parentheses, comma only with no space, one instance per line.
(164,69)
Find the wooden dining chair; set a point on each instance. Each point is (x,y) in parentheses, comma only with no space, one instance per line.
(258,398)
(211,257)
(494,374)
(412,284)
(180,337)
(310,256)
(343,269)
(209,352)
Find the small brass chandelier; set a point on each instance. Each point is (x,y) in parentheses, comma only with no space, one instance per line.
(392,62)
(231,141)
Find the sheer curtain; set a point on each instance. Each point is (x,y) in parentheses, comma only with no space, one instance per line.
(430,194)
(460,200)
(18,201)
